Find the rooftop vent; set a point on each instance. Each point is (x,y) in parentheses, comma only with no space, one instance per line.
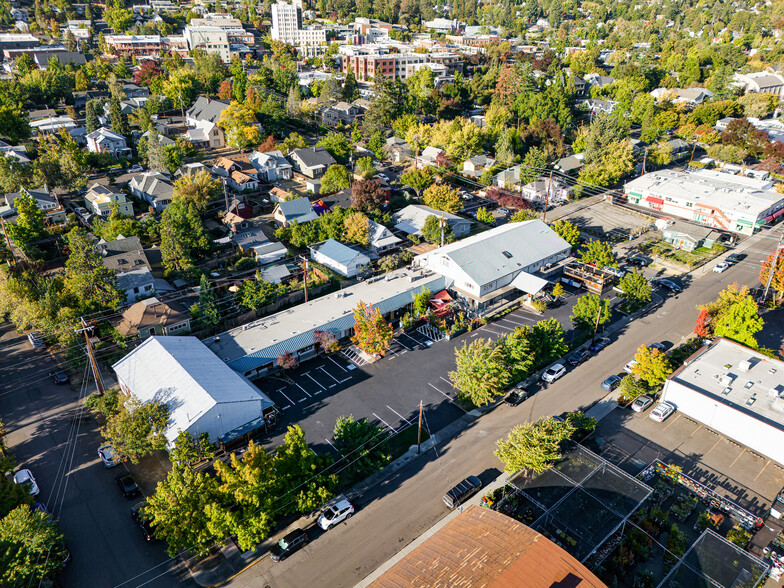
(507,254)
(745,365)
(726,379)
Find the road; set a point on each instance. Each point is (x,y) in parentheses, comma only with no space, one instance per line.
(393,514)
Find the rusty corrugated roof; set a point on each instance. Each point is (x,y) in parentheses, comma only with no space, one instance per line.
(483,548)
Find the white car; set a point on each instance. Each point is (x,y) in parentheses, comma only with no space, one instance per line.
(629,367)
(554,372)
(25,478)
(662,411)
(337,513)
(134,169)
(720,267)
(108,457)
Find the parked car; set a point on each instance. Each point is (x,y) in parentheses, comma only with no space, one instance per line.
(25,478)
(59,377)
(668,285)
(734,258)
(337,513)
(289,544)
(460,493)
(618,273)
(721,267)
(560,418)
(660,346)
(641,403)
(41,507)
(639,261)
(135,169)
(554,372)
(128,485)
(611,383)
(517,395)
(137,514)
(629,367)
(599,344)
(662,411)
(36,340)
(504,211)
(108,457)
(578,357)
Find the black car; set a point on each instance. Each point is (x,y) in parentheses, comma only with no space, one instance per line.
(288,545)
(460,493)
(599,344)
(59,377)
(735,257)
(668,285)
(578,357)
(516,396)
(639,261)
(128,485)
(144,524)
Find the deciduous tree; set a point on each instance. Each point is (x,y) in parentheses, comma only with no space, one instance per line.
(368,196)
(238,122)
(418,179)
(29,225)
(437,229)
(484,216)
(257,293)
(183,237)
(740,323)
(599,253)
(363,444)
(33,548)
(337,145)
(567,231)
(442,197)
(372,334)
(635,290)
(188,451)
(533,446)
(586,311)
(137,429)
(198,188)
(335,179)
(86,276)
(777,280)
(653,366)
(481,373)
(356,225)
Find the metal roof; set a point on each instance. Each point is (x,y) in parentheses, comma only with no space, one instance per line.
(338,252)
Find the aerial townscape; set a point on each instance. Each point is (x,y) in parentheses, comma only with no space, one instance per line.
(392,293)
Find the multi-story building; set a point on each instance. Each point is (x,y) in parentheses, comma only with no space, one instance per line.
(391,65)
(135,45)
(452,61)
(232,26)
(287,28)
(211,39)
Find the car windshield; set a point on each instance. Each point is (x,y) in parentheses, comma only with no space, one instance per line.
(27,483)
(329,514)
(282,544)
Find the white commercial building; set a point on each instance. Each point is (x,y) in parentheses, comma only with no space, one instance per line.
(495,266)
(735,391)
(209,38)
(719,200)
(203,394)
(287,27)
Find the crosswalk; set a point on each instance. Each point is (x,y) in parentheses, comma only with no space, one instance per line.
(353,356)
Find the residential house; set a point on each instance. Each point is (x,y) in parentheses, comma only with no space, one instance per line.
(345,260)
(202,118)
(236,217)
(551,190)
(570,165)
(107,141)
(279,194)
(61,57)
(690,96)
(18,152)
(411,219)
(154,187)
(397,149)
(166,142)
(380,239)
(594,79)
(596,105)
(203,394)
(299,209)
(55,212)
(509,178)
(312,162)
(428,156)
(340,113)
(126,257)
(680,149)
(688,237)
(101,200)
(239,172)
(150,317)
(475,166)
(255,240)
(271,166)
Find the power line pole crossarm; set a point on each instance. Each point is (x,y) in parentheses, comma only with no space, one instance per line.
(93,363)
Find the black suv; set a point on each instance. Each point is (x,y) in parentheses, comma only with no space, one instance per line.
(464,490)
(668,285)
(578,357)
(144,523)
(639,261)
(289,544)
(128,485)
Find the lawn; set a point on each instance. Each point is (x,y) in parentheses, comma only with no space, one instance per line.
(667,252)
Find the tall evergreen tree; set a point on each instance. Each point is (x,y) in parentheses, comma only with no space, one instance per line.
(350,88)
(91,117)
(117,118)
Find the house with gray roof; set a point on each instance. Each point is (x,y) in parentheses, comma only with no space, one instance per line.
(311,162)
(154,187)
(254,240)
(345,260)
(381,239)
(475,166)
(761,82)
(299,209)
(55,212)
(496,266)
(202,119)
(271,166)
(687,236)
(411,219)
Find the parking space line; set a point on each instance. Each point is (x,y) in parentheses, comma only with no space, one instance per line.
(762,470)
(336,363)
(398,414)
(399,342)
(439,391)
(314,380)
(503,326)
(330,375)
(333,447)
(386,423)
(515,322)
(286,397)
(410,337)
(737,458)
(447,381)
(492,331)
(303,389)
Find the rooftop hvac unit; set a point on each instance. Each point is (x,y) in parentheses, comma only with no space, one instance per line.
(726,379)
(745,365)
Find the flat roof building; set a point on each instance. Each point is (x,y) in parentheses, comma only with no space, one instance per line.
(735,391)
(731,203)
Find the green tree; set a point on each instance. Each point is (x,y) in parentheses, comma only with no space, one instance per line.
(257,293)
(337,145)
(364,167)
(188,451)
(436,228)
(533,446)
(293,102)
(61,162)
(181,87)
(660,154)
(599,253)
(481,373)
(33,549)
(239,123)
(11,495)
(418,179)
(630,389)
(635,290)
(183,237)
(335,179)
(567,231)
(86,277)
(137,429)
(587,309)
(91,117)
(740,323)
(522,215)
(442,197)
(421,303)
(350,88)
(356,225)
(29,226)
(558,290)
(117,16)
(372,333)
(206,311)
(484,216)
(117,118)
(13,123)
(616,162)
(653,366)
(198,188)
(363,444)
(604,130)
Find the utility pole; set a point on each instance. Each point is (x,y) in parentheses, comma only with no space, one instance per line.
(693,149)
(225,194)
(598,316)
(305,277)
(442,228)
(772,268)
(8,242)
(547,197)
(419,431)
(96,373)
(644,159)
(182,109)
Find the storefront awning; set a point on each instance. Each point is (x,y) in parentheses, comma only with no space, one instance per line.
(654,200)
(528,283)
(775,215)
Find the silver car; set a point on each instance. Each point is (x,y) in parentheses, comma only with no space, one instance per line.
(554,372)
(662,411)
(25,478)
(337,513)
(641,403)
(108,456)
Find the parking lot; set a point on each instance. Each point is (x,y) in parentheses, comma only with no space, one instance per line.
(603,218)
(632,441)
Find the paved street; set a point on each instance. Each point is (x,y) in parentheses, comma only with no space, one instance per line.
(394,513)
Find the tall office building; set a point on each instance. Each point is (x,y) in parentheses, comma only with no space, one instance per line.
(286,21)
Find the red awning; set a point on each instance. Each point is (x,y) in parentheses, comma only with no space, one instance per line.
(654,200)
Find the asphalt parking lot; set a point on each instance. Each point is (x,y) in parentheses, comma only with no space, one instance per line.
(610,220)
(632,441)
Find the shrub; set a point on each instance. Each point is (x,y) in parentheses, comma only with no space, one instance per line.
(245,264)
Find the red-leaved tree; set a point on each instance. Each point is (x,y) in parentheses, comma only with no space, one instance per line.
(286,361)
(702,329)
(372,334)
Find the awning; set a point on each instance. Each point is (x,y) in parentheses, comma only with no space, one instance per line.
(528,283)
(776,214)
(654,200)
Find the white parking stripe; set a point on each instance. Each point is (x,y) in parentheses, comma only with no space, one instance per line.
(398,414)
(314,381)
(330,375)
(303,389)
(286,397)
(439,391)
(445,380)
(403,345)
(337,364)
(485,329)
(386,423)
(522,318)
(503,326)
(410,337)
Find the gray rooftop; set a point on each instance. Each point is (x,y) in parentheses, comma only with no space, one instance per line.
(296,207)
(336,251)
(206,109)
(314,156)
(735,375)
